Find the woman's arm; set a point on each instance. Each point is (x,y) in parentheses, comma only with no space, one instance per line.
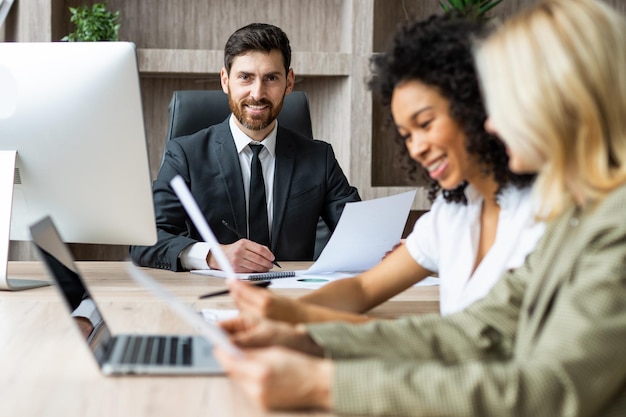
(394,274)
(341,300)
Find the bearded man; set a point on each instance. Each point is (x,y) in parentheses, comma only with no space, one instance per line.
(261,186)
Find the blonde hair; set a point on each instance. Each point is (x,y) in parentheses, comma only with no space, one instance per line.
(554,79)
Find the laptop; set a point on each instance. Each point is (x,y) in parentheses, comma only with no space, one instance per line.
(121,353)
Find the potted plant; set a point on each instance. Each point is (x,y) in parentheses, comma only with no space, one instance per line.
(475,9)
(94,23)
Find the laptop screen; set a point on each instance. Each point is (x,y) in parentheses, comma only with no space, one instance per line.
(60,263)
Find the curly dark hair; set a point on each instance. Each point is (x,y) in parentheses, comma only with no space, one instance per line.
(438,52)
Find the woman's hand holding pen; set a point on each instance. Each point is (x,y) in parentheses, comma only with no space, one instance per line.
(245,256)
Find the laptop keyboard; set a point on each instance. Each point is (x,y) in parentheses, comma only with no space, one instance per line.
(156,350)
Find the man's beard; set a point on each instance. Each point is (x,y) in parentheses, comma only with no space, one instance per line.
(255,122)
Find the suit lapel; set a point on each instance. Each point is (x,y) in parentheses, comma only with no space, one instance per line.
(285,162)
(230,171)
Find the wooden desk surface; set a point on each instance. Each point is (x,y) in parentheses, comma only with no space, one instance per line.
(45,369)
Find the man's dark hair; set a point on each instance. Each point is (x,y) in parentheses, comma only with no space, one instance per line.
(260,37)
(438,52)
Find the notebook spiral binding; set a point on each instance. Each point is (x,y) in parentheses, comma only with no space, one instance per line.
(272,275)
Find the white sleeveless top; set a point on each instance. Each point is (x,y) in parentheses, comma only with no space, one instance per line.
(445,240)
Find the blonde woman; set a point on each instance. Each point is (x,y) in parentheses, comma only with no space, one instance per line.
(549,339)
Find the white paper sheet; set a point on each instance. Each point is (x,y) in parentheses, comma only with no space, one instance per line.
(218,314)
(428,282)
(366,230)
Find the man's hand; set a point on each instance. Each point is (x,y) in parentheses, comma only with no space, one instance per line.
(259,302)
(245,256)
(279,378)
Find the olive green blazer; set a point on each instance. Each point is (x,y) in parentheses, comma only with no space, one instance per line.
(548,340)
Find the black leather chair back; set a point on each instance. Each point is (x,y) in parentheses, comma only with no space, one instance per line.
(194,110)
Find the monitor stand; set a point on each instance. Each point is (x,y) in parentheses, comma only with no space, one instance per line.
(7,176)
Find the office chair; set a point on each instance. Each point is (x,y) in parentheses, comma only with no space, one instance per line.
(194,110)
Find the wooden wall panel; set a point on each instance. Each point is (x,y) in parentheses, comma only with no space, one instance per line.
(207,24)
(181,45)
(30,21)
(389,14)
(330,113)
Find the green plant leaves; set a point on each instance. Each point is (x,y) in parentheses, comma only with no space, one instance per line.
(475,9)
(93,24)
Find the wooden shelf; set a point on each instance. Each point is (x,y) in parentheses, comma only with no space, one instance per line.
(195,62)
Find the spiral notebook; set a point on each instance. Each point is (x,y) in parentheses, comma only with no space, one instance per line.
(259,276)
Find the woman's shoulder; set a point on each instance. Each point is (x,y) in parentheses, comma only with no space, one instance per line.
(609,213)
(514,196)
(614,202)
(445,214)
(516,200)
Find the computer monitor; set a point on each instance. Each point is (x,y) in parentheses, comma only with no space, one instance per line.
(72,145)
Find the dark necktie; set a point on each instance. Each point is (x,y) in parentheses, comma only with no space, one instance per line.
(257,207)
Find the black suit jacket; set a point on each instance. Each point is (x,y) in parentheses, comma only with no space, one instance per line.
(308,184)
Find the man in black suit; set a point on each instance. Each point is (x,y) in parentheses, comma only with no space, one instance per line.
(300,176)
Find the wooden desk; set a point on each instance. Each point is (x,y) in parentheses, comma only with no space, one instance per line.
(45,369)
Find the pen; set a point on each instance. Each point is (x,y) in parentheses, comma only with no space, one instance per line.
(240,236)
(262,284)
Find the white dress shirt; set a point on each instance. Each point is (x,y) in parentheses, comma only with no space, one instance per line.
(194,256)
(268,159)
(445,240)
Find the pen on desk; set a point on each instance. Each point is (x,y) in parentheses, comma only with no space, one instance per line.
(262,284)
(240,236)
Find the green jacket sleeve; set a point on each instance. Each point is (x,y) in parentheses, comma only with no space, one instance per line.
(507,354)
(577,366)
(485,330)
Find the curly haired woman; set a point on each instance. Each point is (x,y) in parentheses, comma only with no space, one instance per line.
(481,222)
